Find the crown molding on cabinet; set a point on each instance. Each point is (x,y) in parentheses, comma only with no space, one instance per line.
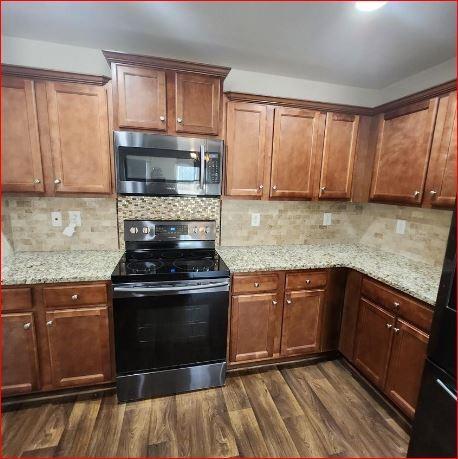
(53,75)
(114,57)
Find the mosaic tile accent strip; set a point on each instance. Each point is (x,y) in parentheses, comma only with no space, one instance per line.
(166,208)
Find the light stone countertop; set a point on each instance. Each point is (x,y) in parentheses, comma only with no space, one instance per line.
(417,279)
(53,267)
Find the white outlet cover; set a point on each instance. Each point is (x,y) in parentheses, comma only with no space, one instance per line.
(255,219)
(400,226)
(74,217)
(327,218)
(56,218)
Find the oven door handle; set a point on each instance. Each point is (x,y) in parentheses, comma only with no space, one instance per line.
(119,291)
(202,166)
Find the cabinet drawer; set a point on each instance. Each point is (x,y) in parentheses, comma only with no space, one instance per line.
(417,314)
(17,299)
(307,280)
(255,283)
(75,295)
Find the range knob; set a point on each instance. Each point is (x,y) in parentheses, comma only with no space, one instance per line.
(202,229)
(207,229)
(145,230)
(195,230)
(134,230)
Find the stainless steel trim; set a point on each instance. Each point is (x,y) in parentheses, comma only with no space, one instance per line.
(202,166)
(449,392)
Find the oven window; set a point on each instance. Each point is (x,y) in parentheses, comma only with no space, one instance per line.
(160,332)
(154,165)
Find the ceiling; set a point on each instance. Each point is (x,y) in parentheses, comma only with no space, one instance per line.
(325,41)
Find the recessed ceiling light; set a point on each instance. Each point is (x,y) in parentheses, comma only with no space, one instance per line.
(369,6)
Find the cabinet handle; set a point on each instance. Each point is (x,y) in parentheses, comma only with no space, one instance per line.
(289,301)
(396,330)
(323,189)
(396,305)
(274,302)
(57,181)
(388,326)
(256,284)
(416,194)
(179,120)
(261,187)
(307,281)
(37,181)
(49,323)
(433,193)
(162,118)
(74,297)
(274,188)
(27,325)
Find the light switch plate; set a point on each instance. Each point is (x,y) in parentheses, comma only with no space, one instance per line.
(74,217)
(56,218)
(327,218)
(255,219)
(400,226)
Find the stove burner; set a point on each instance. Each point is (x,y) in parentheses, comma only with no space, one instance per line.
(194,265)
(144,267)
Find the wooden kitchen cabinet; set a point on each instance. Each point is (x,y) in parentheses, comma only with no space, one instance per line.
(297,144)
(301,328)
(373,341)
(20,354)
(246,149)
(78,122)
(79,346)
(402,153)
(140,94)
(406,364)
(440,188)
(252,326)
(339,150)
(22,169)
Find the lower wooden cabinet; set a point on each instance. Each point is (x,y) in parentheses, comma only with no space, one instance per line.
(78,346)
(301,322)
(20,354)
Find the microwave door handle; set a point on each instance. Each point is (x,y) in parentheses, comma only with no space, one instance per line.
(202,166)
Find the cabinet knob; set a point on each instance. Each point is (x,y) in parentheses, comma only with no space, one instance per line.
(162,118)
(261,187)
(388,326)
(37,181)
(323,189)
(307,281)
(433,193)
(416,194)
(179,120)
(57,181)
(274,302)
(396,305)
(49,323)
(27,325)
(274,188)
(396,330)
(74,297)
(256,284)
(289,301)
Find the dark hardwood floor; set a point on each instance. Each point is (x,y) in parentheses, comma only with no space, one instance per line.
(315,410)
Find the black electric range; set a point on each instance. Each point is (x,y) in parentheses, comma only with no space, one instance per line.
(170,309)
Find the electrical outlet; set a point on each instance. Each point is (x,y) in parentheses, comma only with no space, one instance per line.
(400,226)
(74,217)
(255,219)
(56,218)
(327,219)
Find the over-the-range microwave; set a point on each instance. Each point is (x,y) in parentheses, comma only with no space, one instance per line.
(160,165)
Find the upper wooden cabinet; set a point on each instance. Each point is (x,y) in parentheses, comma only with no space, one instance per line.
(297,143)
(78,124)
(338,156)
(22,168)
(440,189)
(247,148)
(55,135)
(141,97)
(158,94)
(402,153)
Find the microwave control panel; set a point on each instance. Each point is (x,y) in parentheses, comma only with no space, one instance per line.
(213,168)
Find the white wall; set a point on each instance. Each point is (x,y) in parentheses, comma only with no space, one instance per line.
(33,53)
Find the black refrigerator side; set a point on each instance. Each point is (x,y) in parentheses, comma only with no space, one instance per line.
(434,426)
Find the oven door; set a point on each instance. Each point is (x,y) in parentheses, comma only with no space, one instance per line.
(168,325)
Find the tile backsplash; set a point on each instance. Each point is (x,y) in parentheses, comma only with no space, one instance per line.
(30,228)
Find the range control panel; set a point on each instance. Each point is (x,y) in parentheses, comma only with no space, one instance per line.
(166,230)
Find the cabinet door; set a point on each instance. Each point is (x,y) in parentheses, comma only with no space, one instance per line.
(246,149)
(140,94)
(402,156)
(252,326)
(79,346)
(21,154)
(440,188)
(197,103)
(338,156)
(301,322)
(78,119)
(373,341)
(20,357)
(298,140)
(406,366)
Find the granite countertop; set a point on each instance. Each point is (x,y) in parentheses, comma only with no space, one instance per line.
(51,267)
(417,279)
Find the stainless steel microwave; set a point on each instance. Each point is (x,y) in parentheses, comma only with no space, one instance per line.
(160,165)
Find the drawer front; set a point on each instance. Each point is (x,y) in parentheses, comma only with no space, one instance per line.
(417,314)
(17,299)
(254,283)
(75,295)
(307,280)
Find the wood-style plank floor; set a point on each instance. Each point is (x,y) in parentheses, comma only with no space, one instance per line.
(315,410)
